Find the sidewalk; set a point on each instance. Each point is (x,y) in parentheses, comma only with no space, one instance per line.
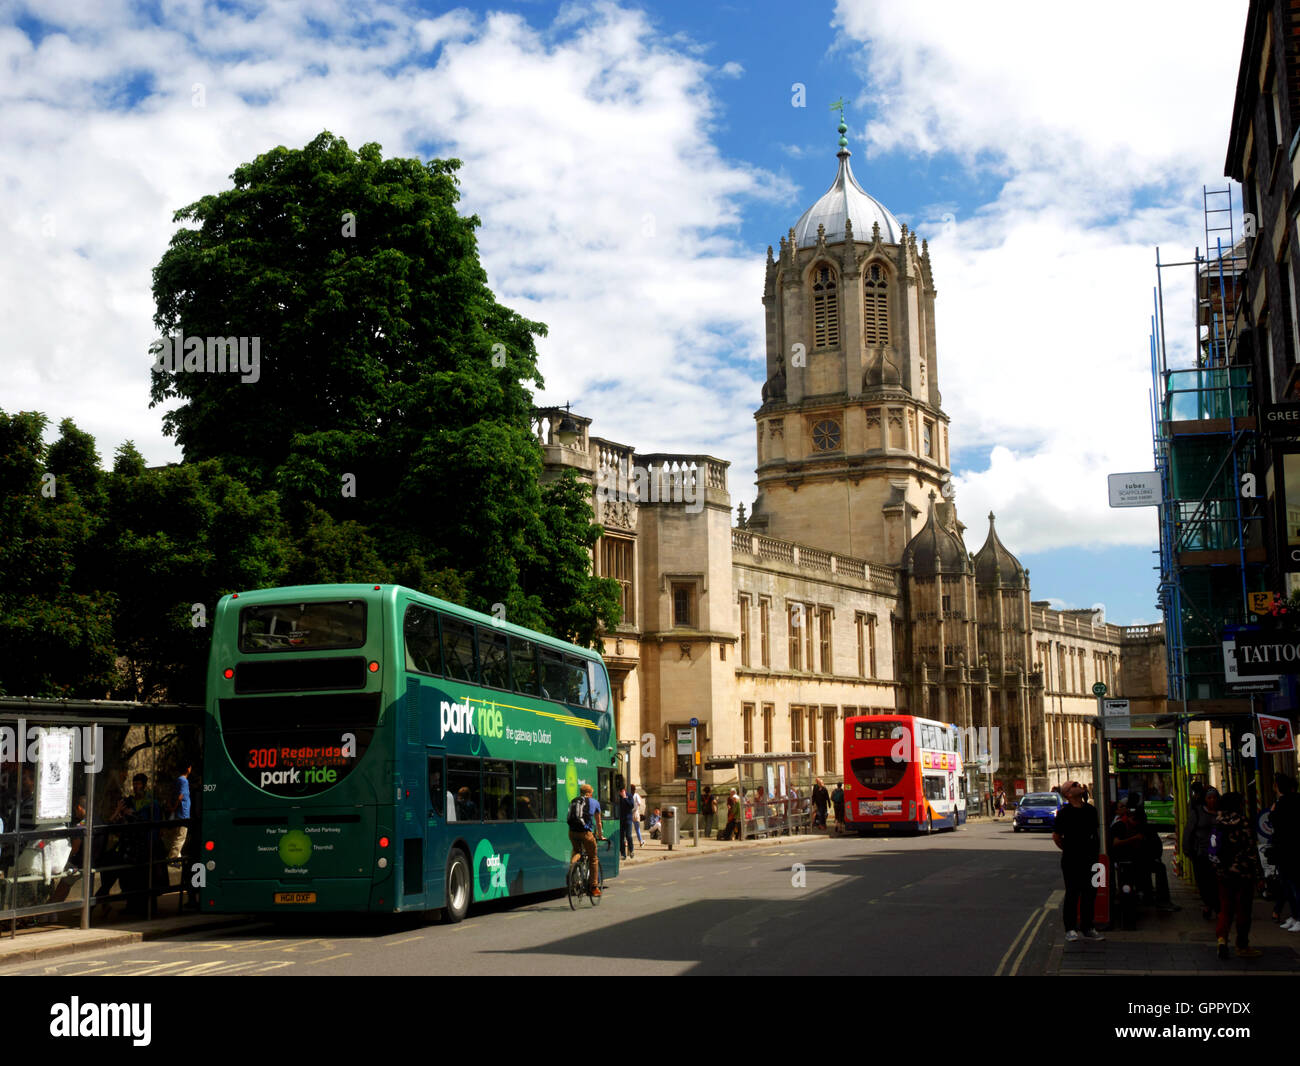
(115,931)
(1181,943)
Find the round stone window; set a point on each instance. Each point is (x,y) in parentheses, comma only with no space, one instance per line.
(826,435)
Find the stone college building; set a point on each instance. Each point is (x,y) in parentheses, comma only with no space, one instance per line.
(850,589)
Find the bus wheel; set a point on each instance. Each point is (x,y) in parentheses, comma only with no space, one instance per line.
(458,892)
(929,826)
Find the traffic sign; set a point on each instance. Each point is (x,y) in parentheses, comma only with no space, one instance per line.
(1099,689)
(695,721)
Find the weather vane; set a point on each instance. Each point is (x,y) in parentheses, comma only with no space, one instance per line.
(839,106)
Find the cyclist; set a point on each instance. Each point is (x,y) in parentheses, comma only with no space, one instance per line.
(585,828)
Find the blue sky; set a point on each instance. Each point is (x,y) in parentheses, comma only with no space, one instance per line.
(631,164)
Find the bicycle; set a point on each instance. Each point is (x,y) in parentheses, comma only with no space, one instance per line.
(579,879)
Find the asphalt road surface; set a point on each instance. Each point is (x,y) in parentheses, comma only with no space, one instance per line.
(981,901)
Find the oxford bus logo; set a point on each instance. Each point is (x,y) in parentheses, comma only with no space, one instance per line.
(460,718)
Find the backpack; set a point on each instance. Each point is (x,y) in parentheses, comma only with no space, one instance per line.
(578,811)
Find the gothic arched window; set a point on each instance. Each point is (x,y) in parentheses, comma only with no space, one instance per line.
(875,306)
(826,315)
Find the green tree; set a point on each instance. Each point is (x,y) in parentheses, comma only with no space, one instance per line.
(56,633)
(174,540)
(580,603)
(391,408)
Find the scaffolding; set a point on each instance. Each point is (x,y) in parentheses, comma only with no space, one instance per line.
(1205,438)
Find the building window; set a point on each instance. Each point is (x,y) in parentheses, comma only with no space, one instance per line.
(810,637)
(927,439)
(764,642)
(826,435)
(826,313)
(769,712)
(950,655)
(684,605)
(812,736)
(616,561)
(860,623)
(828,740)
(875,301)
(744,630)
(796,619)
(828,662)
(946,603)
(796,729)
(747,722)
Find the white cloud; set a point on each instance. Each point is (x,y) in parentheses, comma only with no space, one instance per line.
(731,70)
(608,212)
(1045,296)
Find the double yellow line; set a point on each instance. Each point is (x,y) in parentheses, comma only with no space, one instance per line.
(1035,920)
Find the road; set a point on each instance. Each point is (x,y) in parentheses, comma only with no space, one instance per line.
(981,901)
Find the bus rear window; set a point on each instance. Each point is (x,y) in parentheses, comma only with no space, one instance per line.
(302,626)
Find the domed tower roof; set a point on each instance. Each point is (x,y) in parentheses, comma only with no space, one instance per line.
(846,199)
(994,565)
(934,550)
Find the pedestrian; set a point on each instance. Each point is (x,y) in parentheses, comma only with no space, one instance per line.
(709,806)
(1000,803)
(837,801)
(626,817)
(821,799)
(1284,849)
(1150,857)
(173,837)
(1076,833)
(1232,850)
(1202,809)
(654,825)
(732,832)
(640,815)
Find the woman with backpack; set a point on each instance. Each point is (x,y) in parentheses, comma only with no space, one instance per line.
(1232,850)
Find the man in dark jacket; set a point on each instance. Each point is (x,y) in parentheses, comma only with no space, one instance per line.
(821,799)
(1077,834)
(1201,813)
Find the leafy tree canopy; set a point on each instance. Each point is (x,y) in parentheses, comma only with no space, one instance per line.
(389,406)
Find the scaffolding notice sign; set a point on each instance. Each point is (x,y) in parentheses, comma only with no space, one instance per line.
(1141,489)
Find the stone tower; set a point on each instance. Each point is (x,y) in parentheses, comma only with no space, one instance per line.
(851,437)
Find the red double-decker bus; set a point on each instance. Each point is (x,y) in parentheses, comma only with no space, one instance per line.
(902,774)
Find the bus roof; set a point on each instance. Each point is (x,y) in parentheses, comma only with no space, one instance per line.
(382,592)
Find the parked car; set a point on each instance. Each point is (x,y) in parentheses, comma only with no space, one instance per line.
(1037,811)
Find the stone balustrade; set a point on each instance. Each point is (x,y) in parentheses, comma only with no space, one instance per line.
(880,578)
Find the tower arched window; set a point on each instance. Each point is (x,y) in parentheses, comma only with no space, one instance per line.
(826,313)
(875,306)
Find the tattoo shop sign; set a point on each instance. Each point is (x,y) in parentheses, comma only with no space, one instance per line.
(1264,654)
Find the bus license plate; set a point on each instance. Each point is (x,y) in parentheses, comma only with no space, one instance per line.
(295,897)
(881,825)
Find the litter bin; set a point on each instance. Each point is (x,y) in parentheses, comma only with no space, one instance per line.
(668,827)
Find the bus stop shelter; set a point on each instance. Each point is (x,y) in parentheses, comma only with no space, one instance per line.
(775,791)
(69,813)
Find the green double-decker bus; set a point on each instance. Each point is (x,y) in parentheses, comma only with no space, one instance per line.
(371,748)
